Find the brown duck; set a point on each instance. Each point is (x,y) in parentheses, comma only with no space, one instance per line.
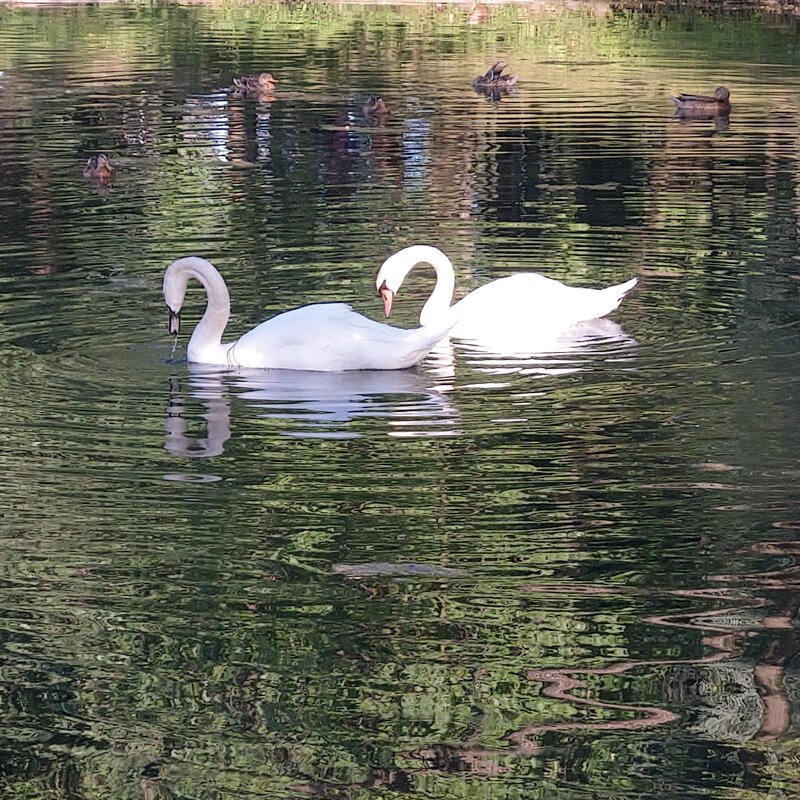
(700,105)
(493,79)
(259,86)
(376,107)
(98,168)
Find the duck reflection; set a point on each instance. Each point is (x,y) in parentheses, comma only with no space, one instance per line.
(306,405)
(701,124)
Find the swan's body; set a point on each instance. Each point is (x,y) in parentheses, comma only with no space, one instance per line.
(519,303)
(326,337)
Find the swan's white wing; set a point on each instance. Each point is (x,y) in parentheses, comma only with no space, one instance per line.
(532,300)
(327,324)
(331,337)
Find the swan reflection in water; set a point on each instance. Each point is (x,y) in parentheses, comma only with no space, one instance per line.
(555,350)
(306,405)
(413,403)
(217,416)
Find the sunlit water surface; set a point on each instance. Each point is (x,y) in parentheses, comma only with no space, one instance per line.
(560,570)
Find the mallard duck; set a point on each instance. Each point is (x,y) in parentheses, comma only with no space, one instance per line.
(478,13)
(376,107)
(493,80)
(259,85)
(700,105)
(98,168)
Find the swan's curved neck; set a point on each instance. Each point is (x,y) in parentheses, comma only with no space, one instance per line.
(207,336)
(437,308)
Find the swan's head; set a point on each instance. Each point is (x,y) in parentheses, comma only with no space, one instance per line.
(390,278)
(173,297)
(174,322)
(393,271)
(177,277)
(175,280)
(387,295)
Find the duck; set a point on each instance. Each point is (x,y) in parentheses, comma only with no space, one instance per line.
(478,13)
(493,80)
(259,86)
(98,168)
(700,105)
(517,304)
(376,107)
(323,337)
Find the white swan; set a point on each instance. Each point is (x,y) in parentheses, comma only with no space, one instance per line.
(518,303)
(325,337)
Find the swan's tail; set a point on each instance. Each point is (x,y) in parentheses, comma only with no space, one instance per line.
(614,294)
(436,332)
(426,338)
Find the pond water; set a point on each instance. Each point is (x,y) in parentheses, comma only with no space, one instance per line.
(565,572)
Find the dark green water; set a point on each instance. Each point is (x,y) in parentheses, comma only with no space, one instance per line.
(567,574)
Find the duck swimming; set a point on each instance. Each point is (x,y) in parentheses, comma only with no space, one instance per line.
(376,107)
(261,86)
(493,80)
(700,105)
(98,168)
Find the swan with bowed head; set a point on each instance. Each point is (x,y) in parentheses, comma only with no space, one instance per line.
(516,304)
(324,337)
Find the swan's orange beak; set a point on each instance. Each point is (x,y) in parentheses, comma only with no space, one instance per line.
(388,298)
